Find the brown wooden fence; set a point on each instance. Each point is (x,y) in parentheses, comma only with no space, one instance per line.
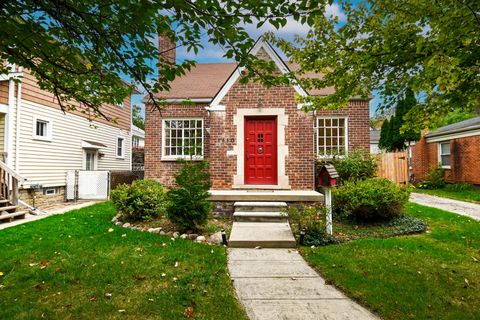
(393,166)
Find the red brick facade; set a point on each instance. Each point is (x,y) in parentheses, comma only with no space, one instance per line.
(221,145)
(464,157)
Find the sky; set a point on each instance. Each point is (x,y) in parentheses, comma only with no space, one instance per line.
(214,53)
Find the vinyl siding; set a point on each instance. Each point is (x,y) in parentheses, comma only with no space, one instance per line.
(4,92)
(46,162)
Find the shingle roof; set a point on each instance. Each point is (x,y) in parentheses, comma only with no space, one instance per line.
(206,79)
(466,125)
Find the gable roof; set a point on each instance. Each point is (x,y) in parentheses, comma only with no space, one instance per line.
(466,125)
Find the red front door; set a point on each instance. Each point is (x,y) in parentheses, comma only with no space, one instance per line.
(261,150)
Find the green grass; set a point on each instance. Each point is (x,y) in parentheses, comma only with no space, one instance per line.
(62,267)
(435,275)
(472,195)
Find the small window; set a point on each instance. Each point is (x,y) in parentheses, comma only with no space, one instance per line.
(135,141)
(42,128)
(182,138)
(444,154)
(120,148)
(50,191)
(331,136)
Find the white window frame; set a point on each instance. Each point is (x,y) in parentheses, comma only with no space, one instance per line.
(47,189)
(122,156)
(49,124)
(187,157)
(440,154)
(316,127)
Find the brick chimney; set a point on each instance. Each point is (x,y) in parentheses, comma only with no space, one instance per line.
(166,47)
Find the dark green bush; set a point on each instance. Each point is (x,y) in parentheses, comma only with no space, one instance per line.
(143,199)
(434,179)
(369,200)
(311,219)
(188,206)
(406,225)
(355,166)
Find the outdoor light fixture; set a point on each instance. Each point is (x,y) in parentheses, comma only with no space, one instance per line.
(224,237)
(302,237)
(260,103)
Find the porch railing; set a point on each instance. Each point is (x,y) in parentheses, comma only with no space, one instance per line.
(10,182)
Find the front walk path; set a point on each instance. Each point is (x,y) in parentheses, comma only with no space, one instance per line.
(277,284)
(463,208)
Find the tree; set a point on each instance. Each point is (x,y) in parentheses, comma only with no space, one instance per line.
(80,50)
(430,46)
(137,117)
(394,136)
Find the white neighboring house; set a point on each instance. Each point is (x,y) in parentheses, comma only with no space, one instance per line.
(138,137)
(41,143)
(374,139)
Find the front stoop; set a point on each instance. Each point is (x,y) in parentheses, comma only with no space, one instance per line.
(261,224)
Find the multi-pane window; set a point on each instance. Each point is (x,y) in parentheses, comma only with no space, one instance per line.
(42,128)
(182,138)
(331,136)
(120,150)
(444,154)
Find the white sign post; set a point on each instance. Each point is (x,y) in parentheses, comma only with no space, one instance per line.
(328,205)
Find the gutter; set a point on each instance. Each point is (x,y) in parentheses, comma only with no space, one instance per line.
(443,133)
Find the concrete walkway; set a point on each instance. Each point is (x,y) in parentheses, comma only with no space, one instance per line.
(463,208)
(275,284)
(48,213)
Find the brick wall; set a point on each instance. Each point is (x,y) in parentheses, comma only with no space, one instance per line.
(465,155)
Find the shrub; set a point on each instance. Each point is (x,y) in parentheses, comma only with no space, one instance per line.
(143,199)
(369,200)
(355,166)
(434,179)
(188,206)
(311,219)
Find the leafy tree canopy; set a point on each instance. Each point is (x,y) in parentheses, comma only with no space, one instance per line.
(430,46)
(80,50)
(137,117)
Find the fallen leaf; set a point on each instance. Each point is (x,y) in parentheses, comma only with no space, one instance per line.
(1,273)
(176,264)
(139,249)
(175,279)
(124,235)
(122,310)
(474,259)
(108,295)
(110,230)
(140,277)
(163,274)
(188,312)
(33,264)
(467,283)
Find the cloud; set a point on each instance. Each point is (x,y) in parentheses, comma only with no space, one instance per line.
(333,10)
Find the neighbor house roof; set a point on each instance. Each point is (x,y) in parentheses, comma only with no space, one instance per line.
(204,80)
(138,132)
(462,126)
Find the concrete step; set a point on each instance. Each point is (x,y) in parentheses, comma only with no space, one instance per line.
(10,216)
(270,206)
(259,216)
(261,234)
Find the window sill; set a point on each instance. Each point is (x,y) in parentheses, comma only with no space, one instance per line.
(446,167)
(40,138)
(175,158)
(120,158)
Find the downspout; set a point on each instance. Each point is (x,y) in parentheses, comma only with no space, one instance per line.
(8,139)
(17,134)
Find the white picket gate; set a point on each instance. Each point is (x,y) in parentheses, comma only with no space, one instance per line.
(82,184)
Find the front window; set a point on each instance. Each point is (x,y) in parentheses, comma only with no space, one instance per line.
(444,154)
(331,136)
(182,138)
(120,148)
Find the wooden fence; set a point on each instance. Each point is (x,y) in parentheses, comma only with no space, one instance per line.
(393,166)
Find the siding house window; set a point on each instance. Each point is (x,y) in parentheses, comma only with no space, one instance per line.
(120,148)
(331,136)
(42,128)
(182,138)
(444,154)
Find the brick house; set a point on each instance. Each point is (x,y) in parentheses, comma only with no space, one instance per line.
(456,148)
(253,137)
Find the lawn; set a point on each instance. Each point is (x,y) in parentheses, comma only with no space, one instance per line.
(72,266)
(471,195)
(435,275)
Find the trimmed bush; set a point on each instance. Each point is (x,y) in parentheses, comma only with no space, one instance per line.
(369,200)
(143,199)
(434,179)
(188,206)
(355,166)
(311,219)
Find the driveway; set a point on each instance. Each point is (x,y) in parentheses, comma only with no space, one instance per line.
(468,209)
